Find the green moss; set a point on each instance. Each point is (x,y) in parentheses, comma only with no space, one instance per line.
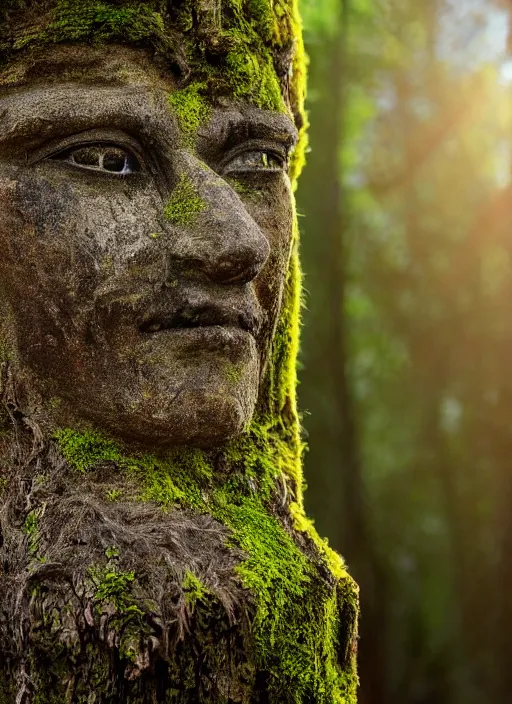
(194,590)
(31,530)
(297,620)
(231,49)
(113,596)
(54,403)
(297,630)
(176,477)
(113,590)
(87,448)
(305,525)
(233,372)
(185,203)
(252,77)
(114,587)
(5,352)
(242,188)
(191,108)
(76,21)
(306,605)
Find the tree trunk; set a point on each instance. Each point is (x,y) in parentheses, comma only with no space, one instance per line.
(153,542)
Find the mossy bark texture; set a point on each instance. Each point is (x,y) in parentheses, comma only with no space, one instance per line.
(184,576)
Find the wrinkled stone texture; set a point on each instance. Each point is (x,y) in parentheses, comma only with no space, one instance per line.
(153,542)
(156,330)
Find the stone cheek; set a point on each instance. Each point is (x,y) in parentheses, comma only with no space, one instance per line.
(148,315)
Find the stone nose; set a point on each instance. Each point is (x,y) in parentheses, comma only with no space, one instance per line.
(219,236)
(234,249)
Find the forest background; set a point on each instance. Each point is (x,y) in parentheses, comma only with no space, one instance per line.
(406,378)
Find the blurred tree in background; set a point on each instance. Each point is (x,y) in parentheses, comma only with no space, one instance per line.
(407,252)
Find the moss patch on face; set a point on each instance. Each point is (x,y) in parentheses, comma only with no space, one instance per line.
(251,37)
(191,108)
(185,203)
(253,78)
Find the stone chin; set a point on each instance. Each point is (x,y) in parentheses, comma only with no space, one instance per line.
(197,389)
(203,417)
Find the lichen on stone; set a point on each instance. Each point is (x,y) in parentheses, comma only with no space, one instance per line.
(191,109)
(185,203)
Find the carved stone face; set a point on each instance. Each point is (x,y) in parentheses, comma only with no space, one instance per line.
(141,267)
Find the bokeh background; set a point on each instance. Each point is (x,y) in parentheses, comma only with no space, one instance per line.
(406,378)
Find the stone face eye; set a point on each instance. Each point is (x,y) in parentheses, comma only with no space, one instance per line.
(256,160)
(105,158)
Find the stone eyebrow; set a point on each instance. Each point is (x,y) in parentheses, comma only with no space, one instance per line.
(232,130)
(35,115)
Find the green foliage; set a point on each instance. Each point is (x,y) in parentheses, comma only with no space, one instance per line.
(114,586)
(319,17)
(425,267)
(113,590)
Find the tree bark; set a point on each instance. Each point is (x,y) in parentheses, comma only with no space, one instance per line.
(150,553)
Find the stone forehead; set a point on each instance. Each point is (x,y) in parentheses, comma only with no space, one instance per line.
(246,49)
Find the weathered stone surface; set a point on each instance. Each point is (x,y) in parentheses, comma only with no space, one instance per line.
(153,542)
